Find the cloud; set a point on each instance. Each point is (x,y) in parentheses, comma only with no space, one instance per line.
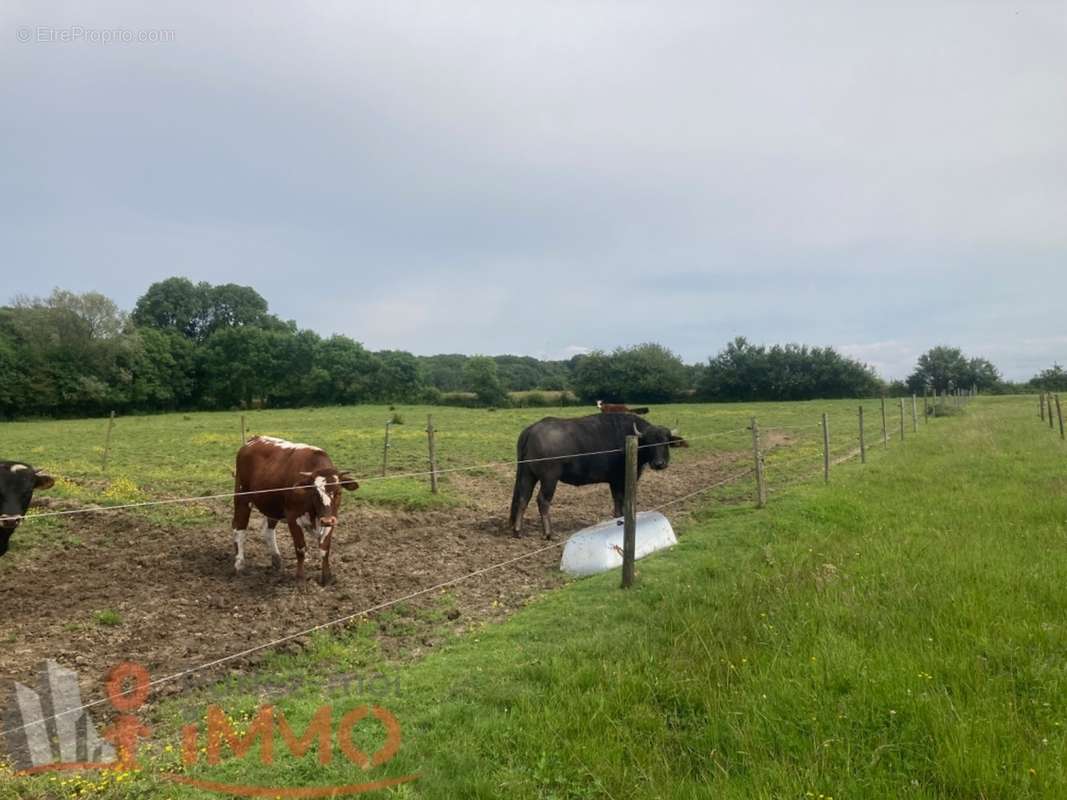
(519,177)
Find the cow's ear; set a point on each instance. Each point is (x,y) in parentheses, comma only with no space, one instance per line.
(42,480)
(348,483)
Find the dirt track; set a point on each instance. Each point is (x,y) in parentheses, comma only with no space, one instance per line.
(180,604)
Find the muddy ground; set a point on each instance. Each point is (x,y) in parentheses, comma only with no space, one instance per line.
(181,605)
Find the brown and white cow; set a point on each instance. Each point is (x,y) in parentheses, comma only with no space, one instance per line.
(618,408)
(265,464)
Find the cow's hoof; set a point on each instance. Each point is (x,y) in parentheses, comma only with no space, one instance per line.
(276,563)
(238,568)
(326,580)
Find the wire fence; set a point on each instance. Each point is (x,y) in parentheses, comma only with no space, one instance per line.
(785,474)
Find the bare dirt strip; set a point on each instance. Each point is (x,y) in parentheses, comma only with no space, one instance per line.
(180,604)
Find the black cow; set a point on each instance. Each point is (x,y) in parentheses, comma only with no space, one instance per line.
(17,482)
(559,441)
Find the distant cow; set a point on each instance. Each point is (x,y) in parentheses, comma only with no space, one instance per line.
(17,484)
(619,408)
(266,463)
(552,447)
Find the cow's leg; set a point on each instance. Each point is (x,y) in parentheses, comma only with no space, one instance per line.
(270,539)
(325,538)
(618,493)
(242,511)
(544,504)
(525,481)
(299,545)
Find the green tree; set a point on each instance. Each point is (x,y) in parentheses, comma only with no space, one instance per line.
(176,304)
(164,372)
(238,366)
(649,373)
(343,372)
(233,306)
(1053,379)
(399,378)
(981,374)
(743,371)
(199,310)
(480,376)
(595,379)
(941,369)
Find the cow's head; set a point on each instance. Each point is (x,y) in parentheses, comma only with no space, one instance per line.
(324,487)
(17,482)
(656,443)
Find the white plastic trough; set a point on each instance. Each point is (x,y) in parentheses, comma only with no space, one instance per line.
(599,548)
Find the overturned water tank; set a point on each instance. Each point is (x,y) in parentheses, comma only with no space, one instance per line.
(599,548)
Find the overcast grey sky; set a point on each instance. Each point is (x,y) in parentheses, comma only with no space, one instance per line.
(547,177)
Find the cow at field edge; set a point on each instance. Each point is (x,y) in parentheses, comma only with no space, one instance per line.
(619,408)
(294,482)
(17,484)
(552,447)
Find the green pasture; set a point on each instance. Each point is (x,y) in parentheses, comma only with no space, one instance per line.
(897,633)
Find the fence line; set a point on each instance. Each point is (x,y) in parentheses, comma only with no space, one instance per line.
(360,480)
(395,476)
(409,596)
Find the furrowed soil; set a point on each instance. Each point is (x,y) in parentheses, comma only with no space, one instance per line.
(179,605)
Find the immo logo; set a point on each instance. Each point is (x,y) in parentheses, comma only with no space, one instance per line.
(49,731)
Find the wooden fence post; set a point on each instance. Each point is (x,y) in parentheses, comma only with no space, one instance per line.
(385,448)
(926,407)
(244,436)
(629,513)
(1050,419)
(825,447)
(863,443)
(107,440)
(1042,401)
(914,415)
(433,453)
(761,486)
(885,432)
(902,419)
(1059,413)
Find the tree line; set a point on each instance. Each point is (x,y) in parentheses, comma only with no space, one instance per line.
(191,345)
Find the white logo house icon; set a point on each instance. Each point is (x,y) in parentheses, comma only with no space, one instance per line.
(49,726)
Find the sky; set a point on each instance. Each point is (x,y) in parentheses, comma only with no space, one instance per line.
(546,177)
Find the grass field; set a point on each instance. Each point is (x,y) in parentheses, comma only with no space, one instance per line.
(898,633)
